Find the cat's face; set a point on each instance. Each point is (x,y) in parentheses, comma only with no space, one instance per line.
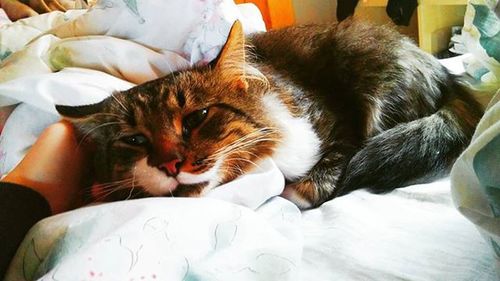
(182,134)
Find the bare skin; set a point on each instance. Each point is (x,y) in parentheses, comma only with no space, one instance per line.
(17,10)
(55,167)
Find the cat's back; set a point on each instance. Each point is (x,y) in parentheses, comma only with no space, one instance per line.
(351,46)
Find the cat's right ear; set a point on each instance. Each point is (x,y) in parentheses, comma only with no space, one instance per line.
(80,111)
(231,59)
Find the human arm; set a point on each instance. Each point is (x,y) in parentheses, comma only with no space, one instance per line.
(49,180)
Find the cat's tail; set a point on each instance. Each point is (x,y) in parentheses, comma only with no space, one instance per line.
(418,151)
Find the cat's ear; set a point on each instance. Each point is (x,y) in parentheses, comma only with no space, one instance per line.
(80,111)
(231,60)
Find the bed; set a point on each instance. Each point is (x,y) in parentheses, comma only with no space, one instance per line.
(242,230)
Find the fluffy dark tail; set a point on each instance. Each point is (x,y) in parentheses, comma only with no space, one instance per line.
(418,151)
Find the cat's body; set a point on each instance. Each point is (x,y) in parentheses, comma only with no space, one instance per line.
(337,107)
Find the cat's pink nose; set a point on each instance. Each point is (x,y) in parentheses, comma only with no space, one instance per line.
(171,167)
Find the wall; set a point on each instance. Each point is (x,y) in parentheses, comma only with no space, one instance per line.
(308,11)
(318,11)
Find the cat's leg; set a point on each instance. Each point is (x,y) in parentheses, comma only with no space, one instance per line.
(191,190)
(321,182)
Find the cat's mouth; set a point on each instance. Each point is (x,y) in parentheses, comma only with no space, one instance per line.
(157,183)
(209,179)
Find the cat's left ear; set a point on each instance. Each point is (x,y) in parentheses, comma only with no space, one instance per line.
(231,60)
(80,111)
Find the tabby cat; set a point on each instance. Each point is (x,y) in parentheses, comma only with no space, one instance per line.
(337,107)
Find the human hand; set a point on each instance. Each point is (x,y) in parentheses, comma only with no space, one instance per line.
(16,10)
(57,167)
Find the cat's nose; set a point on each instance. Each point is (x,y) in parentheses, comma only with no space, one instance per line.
(171,167)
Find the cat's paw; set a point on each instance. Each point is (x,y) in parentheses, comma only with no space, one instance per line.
(302,193)
(192,190)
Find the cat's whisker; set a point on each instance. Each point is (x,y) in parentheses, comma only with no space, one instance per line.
(242,141)
(244,160)
(111,191)
(100,189)
(125,110)
(233,170)
(110,188)
(113,183)
(133,183)
(87,134)
(261,131)
(93,192)
(116,181)
(229,149)
(174,78)
(106,114)
(171,193)
(105,194)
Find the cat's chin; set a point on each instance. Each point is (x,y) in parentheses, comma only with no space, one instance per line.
(153,181)
(211,176)
(164,187)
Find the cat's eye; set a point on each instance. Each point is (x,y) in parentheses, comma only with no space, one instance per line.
(198,162)
(194,119)
(135,140)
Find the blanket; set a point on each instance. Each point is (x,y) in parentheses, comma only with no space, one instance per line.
(476,179)
(165,239)
(413,233)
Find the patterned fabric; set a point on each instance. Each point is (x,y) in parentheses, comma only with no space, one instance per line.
(476,178)
(170,239)
(481,37)
(170,34)
(476,174)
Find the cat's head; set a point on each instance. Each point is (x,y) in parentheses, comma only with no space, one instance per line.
(184,133)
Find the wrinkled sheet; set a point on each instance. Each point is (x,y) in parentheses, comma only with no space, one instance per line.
(476,179)
(165,239)
(413,233)
(243,232)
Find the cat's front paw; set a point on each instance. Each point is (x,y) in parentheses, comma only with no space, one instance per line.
(303,193)
(192,190)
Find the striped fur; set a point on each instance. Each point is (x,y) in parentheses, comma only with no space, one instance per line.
(339,107)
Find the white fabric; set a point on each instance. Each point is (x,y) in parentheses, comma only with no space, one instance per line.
(413,233)
(164,239)
(476,179)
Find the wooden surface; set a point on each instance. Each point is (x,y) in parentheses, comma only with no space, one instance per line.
(276,13)
(383,3)
(435,19)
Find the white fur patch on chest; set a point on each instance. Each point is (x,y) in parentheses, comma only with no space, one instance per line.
(300,148)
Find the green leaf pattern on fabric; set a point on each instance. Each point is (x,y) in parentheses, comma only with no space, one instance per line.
(496,247)
(132,6)
(60,58)
(4,53)
(488,25)
(487,168)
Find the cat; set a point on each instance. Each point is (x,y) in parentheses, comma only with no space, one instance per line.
(336,106)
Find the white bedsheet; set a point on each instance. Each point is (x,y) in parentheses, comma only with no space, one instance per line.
(164,239)
(412,233)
